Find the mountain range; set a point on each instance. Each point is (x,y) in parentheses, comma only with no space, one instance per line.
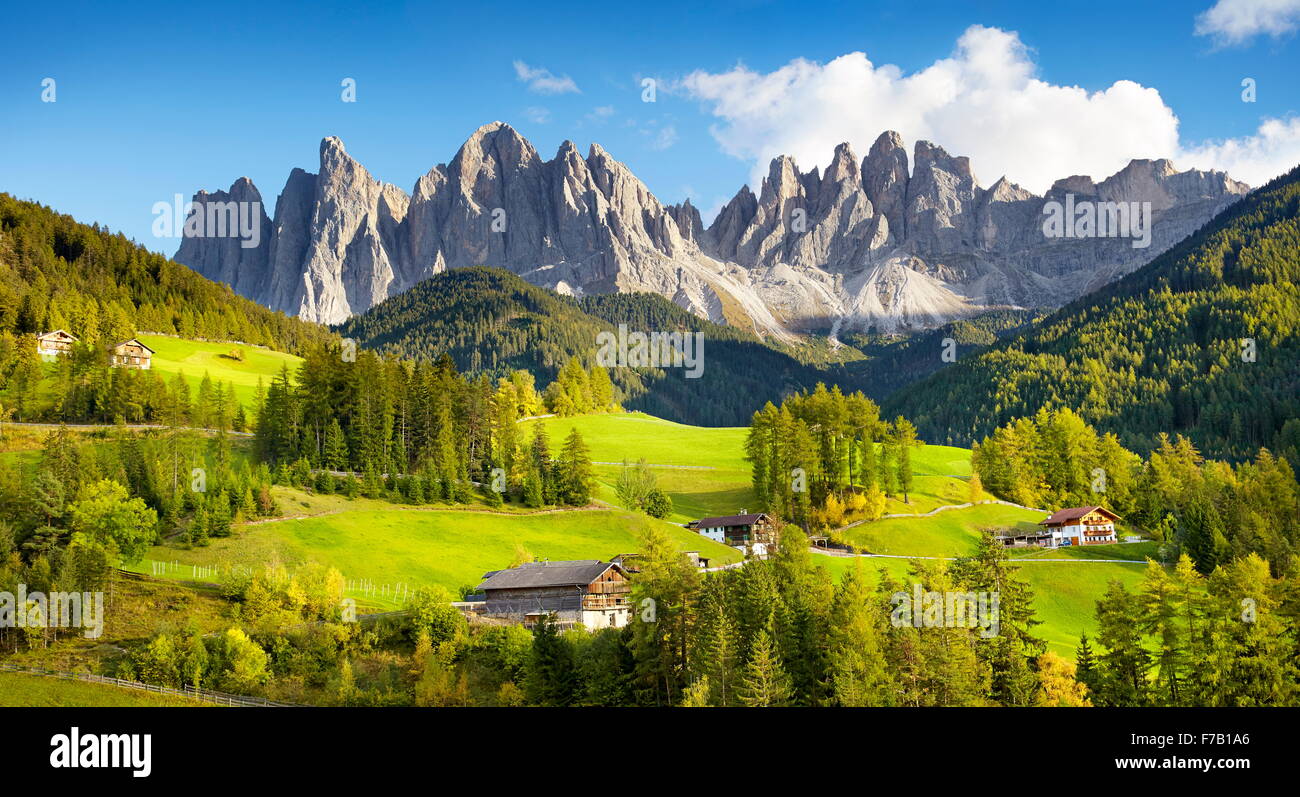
(1203,341)
(886,243)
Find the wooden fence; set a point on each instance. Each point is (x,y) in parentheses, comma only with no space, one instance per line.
(202,695)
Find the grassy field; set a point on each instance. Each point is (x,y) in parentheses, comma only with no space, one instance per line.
(18,689)
(414,547)
(1065,594)
(708,474)
(951,533)
(705,471)
(195,358)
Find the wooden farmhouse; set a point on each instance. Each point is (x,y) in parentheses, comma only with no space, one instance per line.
(594,593)
(54,344)
(1081,525)
(755,534)
(131,354)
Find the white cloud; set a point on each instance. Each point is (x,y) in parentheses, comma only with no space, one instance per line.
(984,101)
(543,81)
(1273,150)
(665,138)
(600,114)
(537,115)
(1236,21)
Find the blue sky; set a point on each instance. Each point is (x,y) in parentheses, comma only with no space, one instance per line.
(157,100)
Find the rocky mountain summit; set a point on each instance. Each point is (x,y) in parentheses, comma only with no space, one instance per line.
(866,244)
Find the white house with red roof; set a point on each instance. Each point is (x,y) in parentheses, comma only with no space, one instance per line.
(1081,525)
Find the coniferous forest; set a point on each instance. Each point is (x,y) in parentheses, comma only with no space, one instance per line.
(1203,341)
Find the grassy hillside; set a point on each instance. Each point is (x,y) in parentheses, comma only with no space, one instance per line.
(702,469)
(705,471)
(424,547)
(195,358)
(951,533)
(18,689)
(1065,594)
(56,272)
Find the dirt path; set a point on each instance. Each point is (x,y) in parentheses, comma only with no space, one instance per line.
(1014,560)
(944,508)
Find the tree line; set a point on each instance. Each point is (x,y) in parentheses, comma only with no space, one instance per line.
(1215,512)
(428,429)
(821,451)
(56,273)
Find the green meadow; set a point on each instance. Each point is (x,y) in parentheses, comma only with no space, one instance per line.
(195,358)
(705,472)
(953,532)
(20,689)
(423,547)
(1065,593)
(703,469)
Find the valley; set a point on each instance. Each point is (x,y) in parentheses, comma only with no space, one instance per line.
(463,427)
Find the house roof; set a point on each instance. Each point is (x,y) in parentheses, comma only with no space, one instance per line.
(1074,513)
(547,574)
(729,520)
(136,342)
(56,333)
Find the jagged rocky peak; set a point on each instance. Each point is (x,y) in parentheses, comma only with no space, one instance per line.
(1006,191)
(689,222)
(1077,184)
(496,141)
(723,234)
(233,237)
(843,176)
(940,198)
(930,156)
(885,177)
(889,240)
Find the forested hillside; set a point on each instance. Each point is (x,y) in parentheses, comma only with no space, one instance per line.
(491,322)
(892,362)
(1203,341)
(57,273)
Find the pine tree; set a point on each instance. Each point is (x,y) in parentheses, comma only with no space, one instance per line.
(551,676)
(860,675)
(714,644)
(198,531)
(1124,662)
(763,681)
(574,471)
(905,438)
(334,451)
(1085,663)
(1009,653)
(219,519)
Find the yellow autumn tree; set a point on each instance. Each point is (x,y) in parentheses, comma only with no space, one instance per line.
(1056,675)
(834,511)
(874,506)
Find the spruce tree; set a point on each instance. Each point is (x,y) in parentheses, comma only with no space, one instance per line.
(763,681)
